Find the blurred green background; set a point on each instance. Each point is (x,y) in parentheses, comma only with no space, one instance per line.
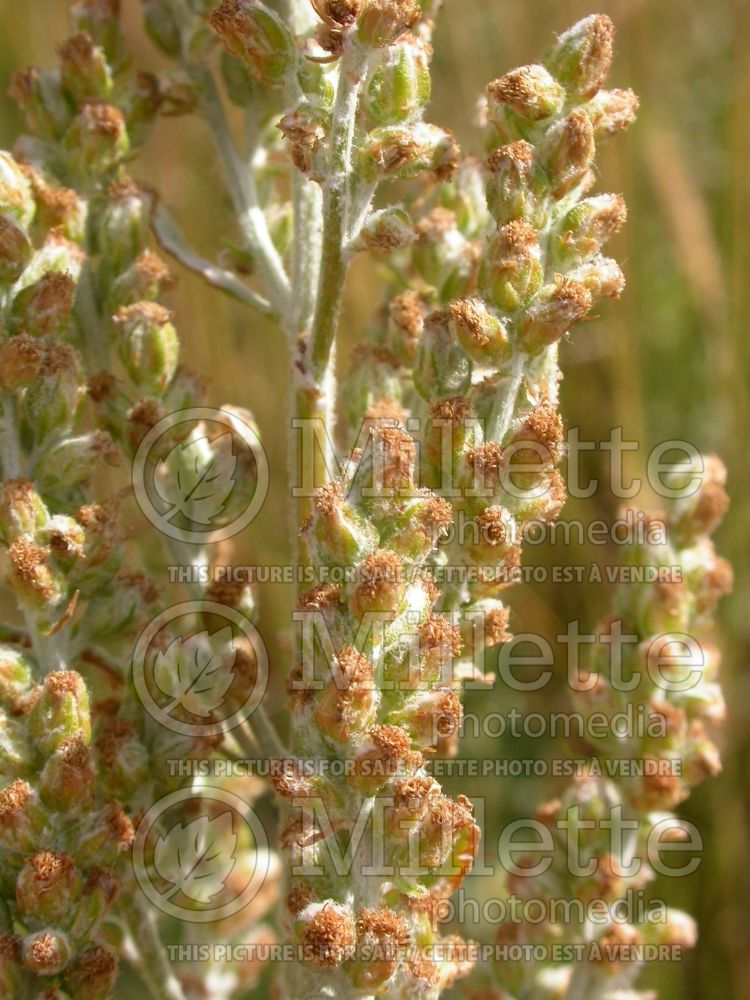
(670,360)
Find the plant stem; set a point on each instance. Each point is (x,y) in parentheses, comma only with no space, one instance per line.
(145,950)
(244,195)
(336,207)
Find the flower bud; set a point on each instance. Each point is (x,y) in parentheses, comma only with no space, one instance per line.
(406,315)
(398,151)
(52,399)
(582,57)
(148,277)
(67,780)
(510,192)
(100,18)
(96,139)
(16,198)
(443,367)
(304,128)
(162,25)
(382,942)
(104,837)
(521,98)
(15,250)
(383,753)
(481,334)
(178,95)
(602,277)
(430,717)
(447,431)
(379,585)
(339,534)
(47,952)
(612,111)
(257,36)
(124,224)
(92,974)
(99,892)
(48,887)
(385,231)
(702,509)
(327,934)
(588,226)
(20,362)
(399,87)
(22,818)
(372,378)
(567,152)
(15,675)
(43,307)
(22,511)
(553,313)
(58,207)
(491,536)
(347,705)
(148,345)
(84,70)
(122,760)
(36,584)
(140,105)
(383,21)
(510,271)
(39,95)
(75,460)
(61,712)
(441,254)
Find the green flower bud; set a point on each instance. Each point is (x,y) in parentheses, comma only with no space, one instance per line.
(406,315)
(162,25)
(520,99)
(15,250)
(100,19)
(552,315)
(52,399)
(122,759)
(441,255)
(379,585)
(257,35)
(582,57)
(148,345)
(58,207)
(399,87)
(510,270)
(602,277)
(22,818)
(178,94)
(124,224)
(492,536)
(67,780)
(141,104)
(588,226)
(612,111)
(480,333)
(383,21)
(104,837)
(12,975)
(36,584)
(510,184)
(43,307)
(61,712)
(84,71)
(372,377)
(347,706)
(99,892)
(39,95)
(46,952)
(121,607)
(443,368)
(567,152)
(339,534)
(447,433)
(20,362)
(96,139)
(385,231)
(148,277)
(15,675)
(92,974)
(22,511)
(304,128)
(397,151)
(48,887)
(16,197)
(75,460)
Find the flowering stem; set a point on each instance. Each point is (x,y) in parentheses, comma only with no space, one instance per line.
(145,950)
(336,209)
